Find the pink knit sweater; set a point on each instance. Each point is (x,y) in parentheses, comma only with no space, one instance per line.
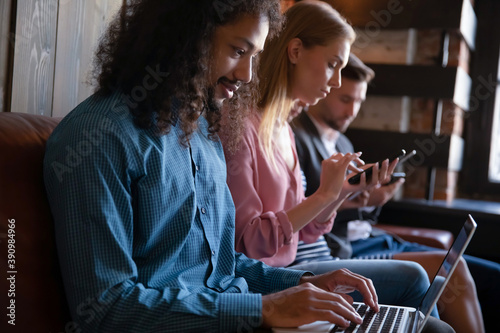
(262,196)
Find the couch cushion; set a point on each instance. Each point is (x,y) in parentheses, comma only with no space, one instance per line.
(39,297)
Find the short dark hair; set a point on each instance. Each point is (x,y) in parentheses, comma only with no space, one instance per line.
(356,70)
(170,41)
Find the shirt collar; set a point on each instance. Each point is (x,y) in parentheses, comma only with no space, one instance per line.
(325,132)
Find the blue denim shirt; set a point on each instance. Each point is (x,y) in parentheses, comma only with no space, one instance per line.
(145,228)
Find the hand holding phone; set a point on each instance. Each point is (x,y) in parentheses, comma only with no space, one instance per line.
(354,180)
(398,175)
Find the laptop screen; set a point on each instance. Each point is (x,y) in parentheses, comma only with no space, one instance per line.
(447,267)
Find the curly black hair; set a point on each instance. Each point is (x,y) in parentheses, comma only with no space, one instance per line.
(158,54)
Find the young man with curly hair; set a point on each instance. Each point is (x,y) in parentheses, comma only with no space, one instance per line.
(136,180)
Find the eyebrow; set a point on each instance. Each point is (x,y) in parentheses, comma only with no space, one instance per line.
(250,45)
(340,59)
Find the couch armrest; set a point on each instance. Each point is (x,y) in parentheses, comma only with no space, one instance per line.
(441,239)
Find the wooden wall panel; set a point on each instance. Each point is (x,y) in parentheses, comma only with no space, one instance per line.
(54,42)
(5,11)
(386,46)
(389,113)
(35,39)
(80,24)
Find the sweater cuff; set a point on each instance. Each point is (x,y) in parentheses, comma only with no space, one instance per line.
(286,226)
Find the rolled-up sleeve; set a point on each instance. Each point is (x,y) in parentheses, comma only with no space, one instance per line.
(311,232)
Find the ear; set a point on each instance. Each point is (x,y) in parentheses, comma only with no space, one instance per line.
(294,50)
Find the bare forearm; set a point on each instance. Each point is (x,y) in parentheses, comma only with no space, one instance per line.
(308,210)
(327,213)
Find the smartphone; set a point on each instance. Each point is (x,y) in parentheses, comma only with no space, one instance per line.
(395,177)
(357,178)
(407,157)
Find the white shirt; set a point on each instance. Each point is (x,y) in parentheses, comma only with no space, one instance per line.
(356,229)
(328,136)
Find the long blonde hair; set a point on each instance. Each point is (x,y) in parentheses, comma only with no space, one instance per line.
(314,23)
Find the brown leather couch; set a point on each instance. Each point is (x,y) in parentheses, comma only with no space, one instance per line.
(40,304)
(37,289)
(441,239)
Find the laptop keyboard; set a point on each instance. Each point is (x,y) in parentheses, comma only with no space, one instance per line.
(388,319)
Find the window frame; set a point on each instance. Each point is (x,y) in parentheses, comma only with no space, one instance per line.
(479,120)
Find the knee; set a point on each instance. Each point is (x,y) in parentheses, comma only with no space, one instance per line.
(461,281)
(436,325)
(463,271)
(416,273)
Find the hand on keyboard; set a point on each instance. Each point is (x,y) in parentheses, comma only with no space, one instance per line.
(304,304)
(344,281)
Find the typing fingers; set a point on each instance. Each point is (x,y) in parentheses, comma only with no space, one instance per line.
(304,304)
(336,310)
(334,307)
(346,281)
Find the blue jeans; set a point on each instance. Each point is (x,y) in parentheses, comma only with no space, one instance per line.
(396,282)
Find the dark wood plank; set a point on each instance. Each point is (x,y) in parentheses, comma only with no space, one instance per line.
(413,81)
(422,81)
(443,151)
(401,14)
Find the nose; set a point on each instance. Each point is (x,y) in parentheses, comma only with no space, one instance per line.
(350,109)
(243,72)
(336,80)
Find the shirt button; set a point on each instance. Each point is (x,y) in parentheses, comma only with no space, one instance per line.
(203,210)
(213,252)
(197,168)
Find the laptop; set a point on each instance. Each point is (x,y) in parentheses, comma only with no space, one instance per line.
(399,318)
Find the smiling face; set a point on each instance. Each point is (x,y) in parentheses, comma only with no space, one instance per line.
(317,69)
(235,46)
(341,106)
